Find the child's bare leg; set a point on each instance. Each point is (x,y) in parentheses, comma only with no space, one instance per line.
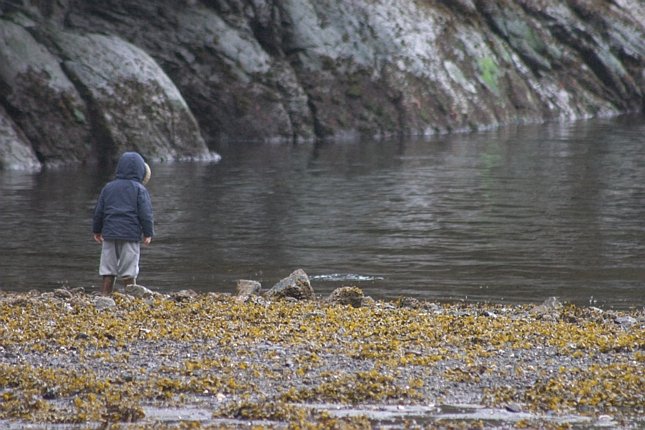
(108,284)
(127,281)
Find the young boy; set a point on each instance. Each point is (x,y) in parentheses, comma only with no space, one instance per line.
(123,215)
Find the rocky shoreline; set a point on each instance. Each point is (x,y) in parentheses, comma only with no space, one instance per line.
(71,359)
(83,81)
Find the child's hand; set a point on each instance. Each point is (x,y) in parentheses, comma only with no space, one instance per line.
(98,237)
(147,240)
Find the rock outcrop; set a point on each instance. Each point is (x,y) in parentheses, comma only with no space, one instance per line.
(133,103)
(82,80)
(40,99)
(15,151)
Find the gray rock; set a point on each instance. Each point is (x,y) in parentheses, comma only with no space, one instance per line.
(16,152)
(255,300)
(549,309)
(368,302)
(513,407)
(295,286)
(139,291)
(51,115)
(246,288)
(133,99)
(552,303)
(625,321)
(183,295)
(490,314)
(103,302)
(410,302)
(62,293)
(352,296)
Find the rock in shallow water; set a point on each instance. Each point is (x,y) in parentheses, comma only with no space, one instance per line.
(296,286)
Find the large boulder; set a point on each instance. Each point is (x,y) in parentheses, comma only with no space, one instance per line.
(41,100)
(226,59)
(15,151)
(296,286)
(134,104)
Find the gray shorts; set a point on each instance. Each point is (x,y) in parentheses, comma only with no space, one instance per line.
(119,258)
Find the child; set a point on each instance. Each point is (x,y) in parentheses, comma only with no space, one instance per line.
(123,215)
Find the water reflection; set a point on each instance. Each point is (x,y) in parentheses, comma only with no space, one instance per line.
(514,215)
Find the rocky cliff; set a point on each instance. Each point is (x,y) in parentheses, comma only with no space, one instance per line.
(81,80)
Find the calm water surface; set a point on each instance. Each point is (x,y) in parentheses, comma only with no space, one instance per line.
(514,215)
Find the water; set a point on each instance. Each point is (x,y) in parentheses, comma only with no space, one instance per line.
(513,215)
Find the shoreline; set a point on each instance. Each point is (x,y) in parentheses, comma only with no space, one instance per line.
(215,360)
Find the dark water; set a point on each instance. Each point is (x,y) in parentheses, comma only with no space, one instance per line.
(513,215)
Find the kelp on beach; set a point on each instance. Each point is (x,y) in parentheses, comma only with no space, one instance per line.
(63,360)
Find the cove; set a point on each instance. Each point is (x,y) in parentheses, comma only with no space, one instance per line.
(511,215)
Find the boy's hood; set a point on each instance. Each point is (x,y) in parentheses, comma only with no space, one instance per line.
(131,166)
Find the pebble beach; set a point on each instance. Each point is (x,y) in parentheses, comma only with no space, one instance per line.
(70,359)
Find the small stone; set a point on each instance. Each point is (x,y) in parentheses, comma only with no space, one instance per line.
(626,321)
(138,291)
(103,302)
(433,307)
(550,304)
(256,300)
(513,407)
(549,310)
(352,296)
(51,393)
(368,302)
(62,293)
(183,295)
(246,287)
(410,302)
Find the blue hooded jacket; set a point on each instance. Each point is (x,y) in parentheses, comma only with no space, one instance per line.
(124,208)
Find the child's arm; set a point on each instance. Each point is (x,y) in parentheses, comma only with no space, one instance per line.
(146,219)
(97,219)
